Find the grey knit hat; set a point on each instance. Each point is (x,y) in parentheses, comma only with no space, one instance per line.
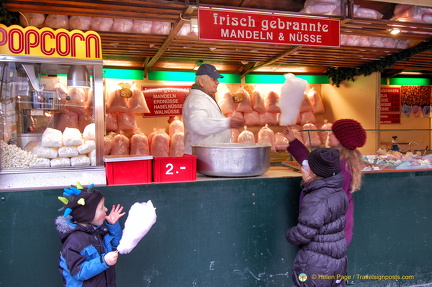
(324,162)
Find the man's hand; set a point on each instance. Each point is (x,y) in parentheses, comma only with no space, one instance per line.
(236,122)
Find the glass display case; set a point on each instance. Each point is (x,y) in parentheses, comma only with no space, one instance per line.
(391,149)
(52,120)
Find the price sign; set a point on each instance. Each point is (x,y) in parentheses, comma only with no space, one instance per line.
(390,105)
(175,169)
(165,100)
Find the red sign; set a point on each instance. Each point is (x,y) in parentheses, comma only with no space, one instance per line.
(390,105)
(165,101)
(240,26)
(46,42)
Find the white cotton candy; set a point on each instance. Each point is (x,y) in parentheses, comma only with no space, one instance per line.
(141,217)
(292,96)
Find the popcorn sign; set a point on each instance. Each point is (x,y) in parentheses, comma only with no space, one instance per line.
(46,42)
(240,26)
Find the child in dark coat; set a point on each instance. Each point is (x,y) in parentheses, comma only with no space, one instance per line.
(89,238)
(321,260)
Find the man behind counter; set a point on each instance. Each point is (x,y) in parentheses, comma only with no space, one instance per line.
(203,119)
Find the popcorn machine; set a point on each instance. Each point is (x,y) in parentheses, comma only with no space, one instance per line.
(51,107)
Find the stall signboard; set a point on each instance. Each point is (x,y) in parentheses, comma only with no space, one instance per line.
(268,28)
(46,42)
(165,101)
(390,105)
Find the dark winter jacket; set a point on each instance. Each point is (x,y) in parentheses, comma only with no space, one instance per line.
(300,152)
(81,261)
(320,233)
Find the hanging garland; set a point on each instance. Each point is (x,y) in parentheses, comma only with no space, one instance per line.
(8,18)
(339,74)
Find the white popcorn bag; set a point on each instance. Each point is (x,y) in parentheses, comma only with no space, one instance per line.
(60,162)
(47,152)
(72,136)
(41,162)
(87,147)
(67,151)
(80,160)
(52,138)
(89,132)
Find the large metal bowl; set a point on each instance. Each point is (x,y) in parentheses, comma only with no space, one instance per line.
(232,159)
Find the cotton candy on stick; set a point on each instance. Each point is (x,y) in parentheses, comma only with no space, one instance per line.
(141,217)
(291,98)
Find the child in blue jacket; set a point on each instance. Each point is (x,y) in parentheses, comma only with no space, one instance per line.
(89,238)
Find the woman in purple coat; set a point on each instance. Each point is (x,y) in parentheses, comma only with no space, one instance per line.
(347,135)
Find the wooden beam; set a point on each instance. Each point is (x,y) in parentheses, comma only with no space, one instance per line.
(287,53)
(176,28)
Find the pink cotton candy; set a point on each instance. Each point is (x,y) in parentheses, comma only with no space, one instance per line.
(57,21)
(252,118)
(266,137)
(101,24)
(177,147)
(32,19)
(137,103)
(122,25)
(175,126)
(281,142)
(315,101)
(120,145)
(160,144)
(80,22)
(246,137)
(139,144)
(311,137)
(245,105)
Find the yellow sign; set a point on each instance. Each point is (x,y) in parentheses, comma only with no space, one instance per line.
(46,42)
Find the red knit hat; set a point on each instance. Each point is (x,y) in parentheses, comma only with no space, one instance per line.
(349,133)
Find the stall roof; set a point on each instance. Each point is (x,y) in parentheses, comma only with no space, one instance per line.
(183,53)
